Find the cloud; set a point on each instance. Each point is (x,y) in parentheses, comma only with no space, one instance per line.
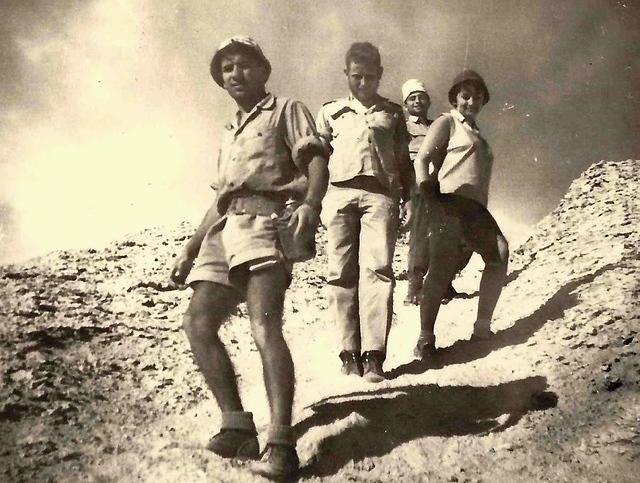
(96,148)
(110,120)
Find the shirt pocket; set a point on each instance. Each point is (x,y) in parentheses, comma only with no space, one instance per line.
(259,146)
(345,124)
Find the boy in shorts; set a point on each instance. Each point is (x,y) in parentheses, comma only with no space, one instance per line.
(270,153)
(453,170)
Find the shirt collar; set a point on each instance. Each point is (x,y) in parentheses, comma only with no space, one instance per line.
(455,113)
(359,107)
(267,103)
(415,119)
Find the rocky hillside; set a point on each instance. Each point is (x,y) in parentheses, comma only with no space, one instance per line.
(98,382)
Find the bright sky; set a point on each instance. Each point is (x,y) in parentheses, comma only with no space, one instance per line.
(110,121)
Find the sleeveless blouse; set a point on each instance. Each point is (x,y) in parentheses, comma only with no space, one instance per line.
(466,169)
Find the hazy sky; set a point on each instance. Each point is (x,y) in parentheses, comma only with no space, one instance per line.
(109,120)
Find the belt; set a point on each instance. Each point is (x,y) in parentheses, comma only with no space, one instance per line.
(366,183)
(255,204)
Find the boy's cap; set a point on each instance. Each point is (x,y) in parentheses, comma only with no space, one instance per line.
(411,86)
(467,75)
(246,42)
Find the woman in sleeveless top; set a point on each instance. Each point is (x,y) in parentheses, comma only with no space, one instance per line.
(453,170)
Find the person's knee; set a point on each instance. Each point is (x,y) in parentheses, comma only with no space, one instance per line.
(381,273)
(200,325)
(210,305)
(377,261)
(202,320)
(266,335)
(189,324)
(345,277)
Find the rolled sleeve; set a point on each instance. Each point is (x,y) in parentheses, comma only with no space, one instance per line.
(301,135)
(308,147)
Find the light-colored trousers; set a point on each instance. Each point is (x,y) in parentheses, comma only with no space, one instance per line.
(361,236)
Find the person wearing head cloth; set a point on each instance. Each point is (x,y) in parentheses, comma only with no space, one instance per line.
(271,177)
(371,176)
(453,169)
(417,102)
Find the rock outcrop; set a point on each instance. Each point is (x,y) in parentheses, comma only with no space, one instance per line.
(98,380)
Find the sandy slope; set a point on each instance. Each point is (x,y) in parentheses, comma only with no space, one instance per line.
(98,382)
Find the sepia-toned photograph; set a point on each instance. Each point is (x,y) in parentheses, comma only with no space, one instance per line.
(324,241)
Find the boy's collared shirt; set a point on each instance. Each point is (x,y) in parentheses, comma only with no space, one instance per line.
(267,150)
(367,142)
(417,128)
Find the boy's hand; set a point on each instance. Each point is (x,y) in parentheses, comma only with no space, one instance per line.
(180,271)
(305,218)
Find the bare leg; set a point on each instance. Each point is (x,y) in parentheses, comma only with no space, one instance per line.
(418,249)
(442,268)
(445,236)
(265,300)
(493,277)
(210,305)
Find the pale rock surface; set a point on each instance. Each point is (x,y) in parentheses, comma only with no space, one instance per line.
(98,383)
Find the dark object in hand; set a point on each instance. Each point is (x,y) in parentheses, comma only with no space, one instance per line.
(295,249)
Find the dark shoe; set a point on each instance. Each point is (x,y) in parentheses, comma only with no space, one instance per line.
(414,291)
(425,347)
(278,462)
(450,295)
(235,443)
(372,366)
(351,363)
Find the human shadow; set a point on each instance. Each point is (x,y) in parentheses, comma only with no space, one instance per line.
(459,295)
(390,417)
(468,350)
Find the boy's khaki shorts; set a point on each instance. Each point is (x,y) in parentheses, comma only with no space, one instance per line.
(247,242)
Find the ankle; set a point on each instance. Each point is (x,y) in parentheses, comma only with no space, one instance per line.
(427,338)
(281,434)
(238,420)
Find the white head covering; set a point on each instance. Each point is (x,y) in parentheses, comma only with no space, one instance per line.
(411,86)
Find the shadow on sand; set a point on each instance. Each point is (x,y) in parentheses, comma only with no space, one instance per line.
(468,350)
(390,417)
